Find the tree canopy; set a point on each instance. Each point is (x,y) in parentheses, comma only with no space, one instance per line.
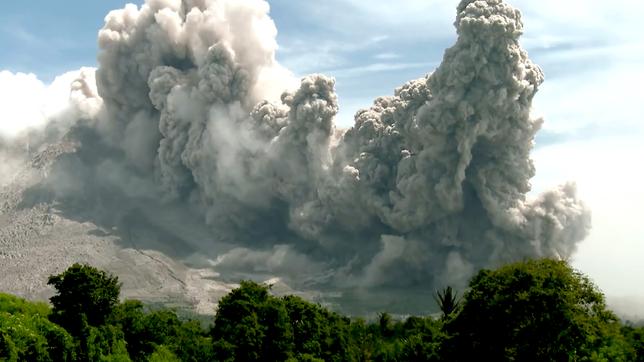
(539,310)
(84,294)
(534,310)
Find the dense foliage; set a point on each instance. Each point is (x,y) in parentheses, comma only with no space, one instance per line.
(530,311)
(86,297)
(539,310)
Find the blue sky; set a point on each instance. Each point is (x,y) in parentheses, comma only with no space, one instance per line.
(592,53)
(48,39)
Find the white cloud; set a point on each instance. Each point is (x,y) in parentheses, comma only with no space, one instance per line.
(26,102)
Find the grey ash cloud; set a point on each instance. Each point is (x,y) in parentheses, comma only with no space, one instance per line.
(429,184)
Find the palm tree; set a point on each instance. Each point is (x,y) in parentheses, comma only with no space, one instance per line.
(447,300)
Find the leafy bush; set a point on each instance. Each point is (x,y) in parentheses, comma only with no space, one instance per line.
(33,338)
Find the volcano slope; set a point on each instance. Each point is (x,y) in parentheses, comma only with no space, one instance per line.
(42,234)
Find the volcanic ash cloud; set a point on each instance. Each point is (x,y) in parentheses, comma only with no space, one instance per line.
(427,186)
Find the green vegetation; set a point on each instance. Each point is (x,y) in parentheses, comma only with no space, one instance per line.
(537,310)
(541,310)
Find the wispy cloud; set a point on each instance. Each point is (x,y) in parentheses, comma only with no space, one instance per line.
(21,35)
(593,131)
(303,55)
(376,68)
(386,56)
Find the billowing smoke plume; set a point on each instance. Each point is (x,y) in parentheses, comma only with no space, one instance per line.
(429,185)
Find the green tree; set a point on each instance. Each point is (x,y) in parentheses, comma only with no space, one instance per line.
(130,318)
(163,354)
(60,345)
(422,339)
(14,305)
(27,334)
(21,337)
(160,331)
(448,301)
(251,325)
(535,310)
(84,294)
(8,350)
(386,325)
(635,338)
(104,343)
(192,343)
(317,332)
